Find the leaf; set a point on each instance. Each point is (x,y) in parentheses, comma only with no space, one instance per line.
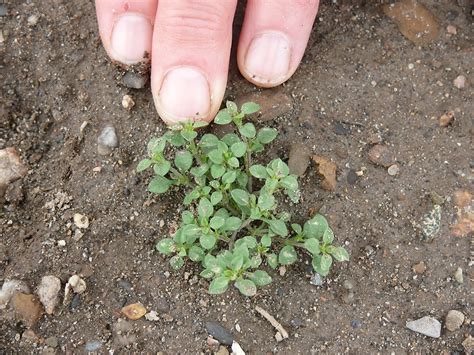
(240,197)
(199,171)
(218,285)
(258,171)
(272,260)
(191,196)
(266,135)
(242,179)
(248,130)
(312,245)
(216,197)
(237,262)
(297,228)
(232,224)
(230,138)
(187,217)
(176,139)
(340,254)
(188,134)
(315,227)
(328,236)
(266,201)
(233,162)
(156,145)
(266,241)
(143,165)
(216,222)
(261,278)
(232,107)
(223,117)
(326,262)
(208,141)
(206,273)
(322,264)
(216,156)
(278,227)
(246,287)
(195,253)
(250,241)
(205,208)
(176,262)
(200,124)
(166,246)
(207,241)
(289,182)
(249,107)
(280,168)
(287,255)
(217,171)
(229,177)
(190,230)
(162,168)
(238,149)
(183,160)
(159,185)
(212,263)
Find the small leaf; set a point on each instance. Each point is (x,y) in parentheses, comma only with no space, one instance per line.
(218,285)
(246,287)
(233,162)
(200,124)
(250,241)
(232,224)
(183,160)
(240,197)
(232,107)
(188,134)
(162,168)
(321,264)
(289,182)
(326,262)
(266,201)
(216,222)
(249,107)
(176,262)
(312,245)
(315,227)
(206,273)
(248,130)
(190,230)
(261,278)
(229,177)
(242,179)
(216,197)
(217,171)
(187,217)
(166,246)
(216,156)
(143,165)
(238,149)
(272,260)
(176,139)
(280,168)
(199,171)
(328,236)
(159,185)
(207,241)
(297,228)
(287,255)
(231,138)
(266,241)
(237,262)
(266,135)
(278,227)
(340,254)
(205,208)
(258,171)
(208,141)
(223,117)
(195,253)
(156,145)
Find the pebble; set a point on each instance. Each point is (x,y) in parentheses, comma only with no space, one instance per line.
(48,292)
(222,351)
(134,81)
(381,155)
(33,20)
(93,345)
(134,311)
(30,336)
(3,10)
(452,30)
(278,337)
(296,322)
(77,284)
(393,170)
(348,297)
(272,104)
(127,102)
(107,140)
(298,159)
(52,342)
(219,333)
(356,324)
(458,276)
(152,316)
(468,344)
(11,168)
(446,119)
(61,243)
(428,326)
(27,308)
(81,221)
(76,301)
(454,320)
(339,129)
(316,280)
(352,177)
(347,285)
(460,82)
(9,288)
(419,268)
(430,223)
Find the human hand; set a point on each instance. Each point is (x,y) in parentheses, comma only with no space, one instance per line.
(189,43)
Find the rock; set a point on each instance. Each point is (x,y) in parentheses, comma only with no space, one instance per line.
(393,170)
(61,243)
(299,159)
(414,21)
(127,102)
(316,280)
(77,284)
(352,177)
(327,169)
(134,80)
(430,223)
(419,268)
(452,30)
(81,221)
(428,326)
(134,311)
(11,168)
(219,333)
(237,349)
(460,82)
(14,193)
(454,320)
(3,10)
(278,337)
(340,129)
(48,292)
(9,288)
(52,342)
(32,20)
(380,155)
(222,351)
(446,119)
(30,336)
(93,345)
(468,344)
(356,324)
(347,285)
(107,140)
(458,276)
(273,104)
(152,316)
(27,308)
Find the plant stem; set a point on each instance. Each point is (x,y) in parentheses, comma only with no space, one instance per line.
(242,226)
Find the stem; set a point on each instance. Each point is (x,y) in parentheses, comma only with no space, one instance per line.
(288,242)
(242,226)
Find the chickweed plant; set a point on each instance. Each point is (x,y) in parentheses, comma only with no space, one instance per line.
(232,224)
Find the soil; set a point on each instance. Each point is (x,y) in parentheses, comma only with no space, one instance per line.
(360,82)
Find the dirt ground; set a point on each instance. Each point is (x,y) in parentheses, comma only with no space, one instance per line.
(360,79)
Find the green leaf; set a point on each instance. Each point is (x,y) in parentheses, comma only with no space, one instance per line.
(266,135)
(208,141)
(216,156)
(199,171)
(246,287)
(191,196)
(326,262)
(287,255)
(183,160)
(156,145)
(312,245)
(195,253)
(237,262)
(289,182)
(322,264)
(328,236)
(240,197)
(159,185)
(272,260)
(188,134)
(261,278)
(205,208)
(143,165)
(250,241)
(207,241)
(200,124)
(229,177)
(162,168)
(280,168)
(190,230)
(232,224)
(258,171)
(266,201)
(230,139)
(238,149)
(266,241)
(176,262)
(278,227)
(212,263)
(166,246)
(242,179)
(233,162)
(297,228)
(223,117)
(340,254)
(217,171)
(315,227)
(232,107)
(187,217)
(206,273)
(249,107)
(216,222)
(248,130)
(216,197)
(218,285)
(176,139)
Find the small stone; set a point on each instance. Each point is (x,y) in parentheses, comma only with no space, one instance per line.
(296,322)
(222,351)
(93,345)
(430,223)
(219,333)
(282,270)
(428,326)
(30,336)
(454,320)
(348,297)
(61,243)
(77,284)
(3,10)
(127,102)
(48,292)
(347,285)
(381,155)
(340,129)
(152,316)
(393,170)
(452,30)
(11,168)
(460,82)
(52,342)
(32,20)
(278,337)
(356,324)
(419,268)
(237,327)
(237,349)
(107,140)
(327,169)
(468,344)
(272,104)
(9,288)
(134,81)
(316,280)
(81,221)
(134,311)
(446,119)
(27,308)
(352,177)
(299,159)
(458,276)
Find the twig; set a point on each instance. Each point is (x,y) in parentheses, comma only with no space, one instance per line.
(272,321)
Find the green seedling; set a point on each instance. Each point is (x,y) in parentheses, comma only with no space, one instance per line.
(232,225)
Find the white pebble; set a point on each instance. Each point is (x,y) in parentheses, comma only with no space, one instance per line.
(127,102)
(393,170)
(81,221)
(62,243)
(33,20)
(460,82)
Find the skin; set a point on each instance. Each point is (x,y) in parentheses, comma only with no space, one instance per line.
(188,43)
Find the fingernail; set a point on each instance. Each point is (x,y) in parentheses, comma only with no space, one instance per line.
(131,38)
(185,95)
(268,57)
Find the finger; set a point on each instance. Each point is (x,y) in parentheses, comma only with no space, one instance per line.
(190,59)
(126,28)
(273,39)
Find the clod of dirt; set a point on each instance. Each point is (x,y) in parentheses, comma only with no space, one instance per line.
(454,320)
(134,311)
(222,351)
(460,82)
(428,326)
(430,223)
(27,308)
(414,21)
(48,292)
(32,20)
(77,284)
(127,102)
(352,177)
(462,198)
(464,224)
(52,342)
(327,169)
(468,344)
(134,80)
(11,168)
(393,170)
(219,333)
(81,221)
(31,337)
(446,119)
(14,193)
(419,268)
(458,276)
(152,316)
(299,159)
(381,155)
(452,30)
(107,140)
(9,288)
(272,104)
